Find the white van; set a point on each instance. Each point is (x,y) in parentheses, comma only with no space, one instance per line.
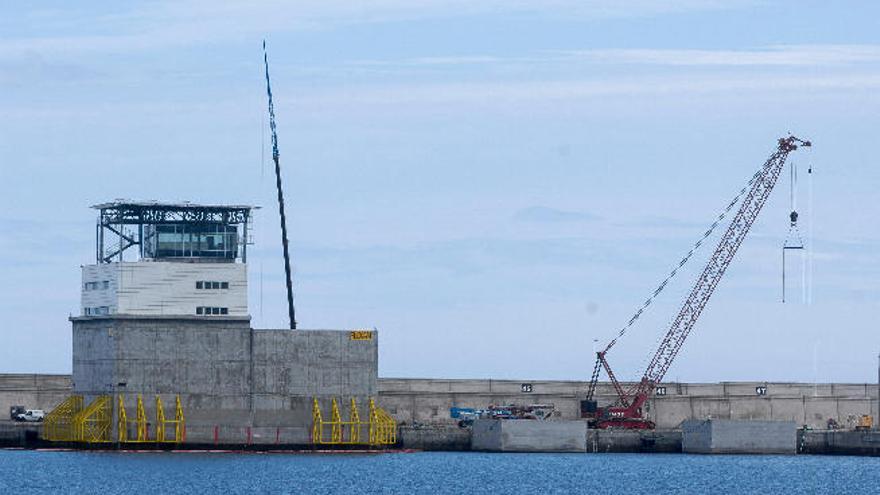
(32,415)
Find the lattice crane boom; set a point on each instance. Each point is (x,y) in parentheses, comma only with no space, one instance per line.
(629,413)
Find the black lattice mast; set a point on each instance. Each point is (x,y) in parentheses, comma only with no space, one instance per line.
(287,272)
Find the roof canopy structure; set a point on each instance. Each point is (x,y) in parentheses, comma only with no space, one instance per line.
(140,223)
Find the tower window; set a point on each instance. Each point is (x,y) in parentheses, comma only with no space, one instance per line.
(211,285)
(211,310)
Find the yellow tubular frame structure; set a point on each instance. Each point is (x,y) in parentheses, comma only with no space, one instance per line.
(336,423)
(141,421)
(381,426)
(160,420)
(71,422)
(58,425)
(355,420)
(162,423)
(121,421)
(317,423)
(94,423)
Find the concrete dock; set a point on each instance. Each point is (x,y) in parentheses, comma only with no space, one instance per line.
(435,430)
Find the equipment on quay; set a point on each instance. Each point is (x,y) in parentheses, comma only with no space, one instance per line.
(627,412)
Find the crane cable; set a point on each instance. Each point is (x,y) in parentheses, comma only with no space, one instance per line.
(683,261)
(596,369)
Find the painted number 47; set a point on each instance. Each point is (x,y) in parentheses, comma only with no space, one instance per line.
(761,390)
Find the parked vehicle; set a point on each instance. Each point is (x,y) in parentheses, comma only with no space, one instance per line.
(467,416)
(32,415)
(14,411)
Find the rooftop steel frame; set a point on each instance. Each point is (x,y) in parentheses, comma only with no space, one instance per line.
(115,216)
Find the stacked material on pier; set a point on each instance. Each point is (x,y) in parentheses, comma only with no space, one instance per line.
(723,436)
(524,435)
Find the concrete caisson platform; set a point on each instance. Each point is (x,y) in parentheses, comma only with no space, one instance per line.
(238,385)
(719,436)
(525,435)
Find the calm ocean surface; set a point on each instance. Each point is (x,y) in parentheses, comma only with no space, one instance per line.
(24,472)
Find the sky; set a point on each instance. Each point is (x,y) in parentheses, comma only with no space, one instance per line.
(496,186)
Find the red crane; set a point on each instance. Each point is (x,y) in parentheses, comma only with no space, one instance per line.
(626,412)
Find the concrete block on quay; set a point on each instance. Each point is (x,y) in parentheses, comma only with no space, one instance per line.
(524,435)
(839,442)
(441,438)
(631,441)
(721,436)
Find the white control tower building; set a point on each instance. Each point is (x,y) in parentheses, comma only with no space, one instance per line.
(168,259)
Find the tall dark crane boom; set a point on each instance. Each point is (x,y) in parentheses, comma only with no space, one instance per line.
(629,412)
(288,278)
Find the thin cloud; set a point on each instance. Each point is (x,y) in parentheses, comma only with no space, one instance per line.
(779,55)
(783,55)
(544,214)
(516,92)
(161,25)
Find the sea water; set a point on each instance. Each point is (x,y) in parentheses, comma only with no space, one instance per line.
(27,471)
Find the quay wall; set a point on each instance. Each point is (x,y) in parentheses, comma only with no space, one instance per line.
(427,401)
(414,402)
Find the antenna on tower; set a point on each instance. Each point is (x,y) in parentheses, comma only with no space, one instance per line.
(289,279)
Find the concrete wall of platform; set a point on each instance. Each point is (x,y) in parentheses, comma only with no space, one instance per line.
(237,385)
(435,437)
(524,435)
(724,436)
(427,401)
(32,391)
(412,401)
(839,442)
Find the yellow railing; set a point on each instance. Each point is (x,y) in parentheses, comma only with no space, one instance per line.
(381,426)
